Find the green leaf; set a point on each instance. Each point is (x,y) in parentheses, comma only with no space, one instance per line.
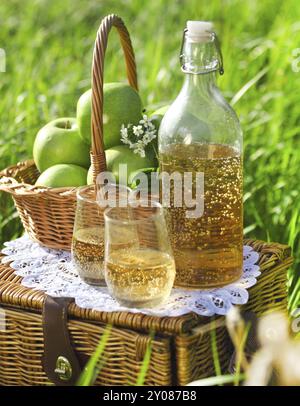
(94,365)
(146,362)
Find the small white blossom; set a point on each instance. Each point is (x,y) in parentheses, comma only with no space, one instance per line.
(124,135)
(151,125)
(124,131)
(145,120)
(137,137)
(138,130)
(140,151)
(146,138)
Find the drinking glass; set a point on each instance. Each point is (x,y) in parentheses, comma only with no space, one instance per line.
(88,234)
(139,264)
(88,237)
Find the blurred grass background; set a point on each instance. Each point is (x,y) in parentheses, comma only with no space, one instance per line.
(49,46)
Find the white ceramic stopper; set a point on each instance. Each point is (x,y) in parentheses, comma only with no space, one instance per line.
(199,30)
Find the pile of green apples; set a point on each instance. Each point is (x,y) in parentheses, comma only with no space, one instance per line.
(61,148)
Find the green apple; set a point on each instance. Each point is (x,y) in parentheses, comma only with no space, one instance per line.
(63,175)
(121,154)
(122,105)
(59,142)
(133,178)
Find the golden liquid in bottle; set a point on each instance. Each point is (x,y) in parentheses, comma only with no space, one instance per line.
(88,254)
(207,250)
(140,277)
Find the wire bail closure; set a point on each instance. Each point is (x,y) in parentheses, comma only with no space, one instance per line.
(220,56)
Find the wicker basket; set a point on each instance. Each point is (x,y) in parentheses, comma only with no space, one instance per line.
(181,351)
(47,214)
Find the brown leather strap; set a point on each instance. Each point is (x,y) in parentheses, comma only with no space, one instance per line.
(60,362)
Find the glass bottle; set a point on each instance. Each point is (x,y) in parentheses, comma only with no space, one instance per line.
(201,134)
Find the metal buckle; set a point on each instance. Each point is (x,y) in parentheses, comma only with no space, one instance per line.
(63,368)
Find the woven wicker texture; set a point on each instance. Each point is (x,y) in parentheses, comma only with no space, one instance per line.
(22,350)
(47,214)
(182,347)
(269,294)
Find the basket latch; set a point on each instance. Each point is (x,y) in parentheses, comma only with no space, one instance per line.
(63,368)
(60,361)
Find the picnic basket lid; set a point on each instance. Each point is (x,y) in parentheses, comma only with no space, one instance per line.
(274,260)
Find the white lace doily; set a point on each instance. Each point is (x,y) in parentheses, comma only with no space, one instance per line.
(52,271)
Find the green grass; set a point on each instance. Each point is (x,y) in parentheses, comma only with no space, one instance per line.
(146,362)
(96,361)
(49,46)
(93,367)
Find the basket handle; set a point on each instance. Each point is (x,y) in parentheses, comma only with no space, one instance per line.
(98,160)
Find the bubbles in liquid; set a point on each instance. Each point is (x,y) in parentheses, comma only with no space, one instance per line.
(88,254)
(208,249)
(140,277)
(88,250)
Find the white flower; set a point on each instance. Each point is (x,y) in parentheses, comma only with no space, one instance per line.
(146,138)
(140,143)
(145,120)
(124,135)
(151,125)
(124,131)
(133,145)
(149,136)
(140,151)
(137,137)
(138,130)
